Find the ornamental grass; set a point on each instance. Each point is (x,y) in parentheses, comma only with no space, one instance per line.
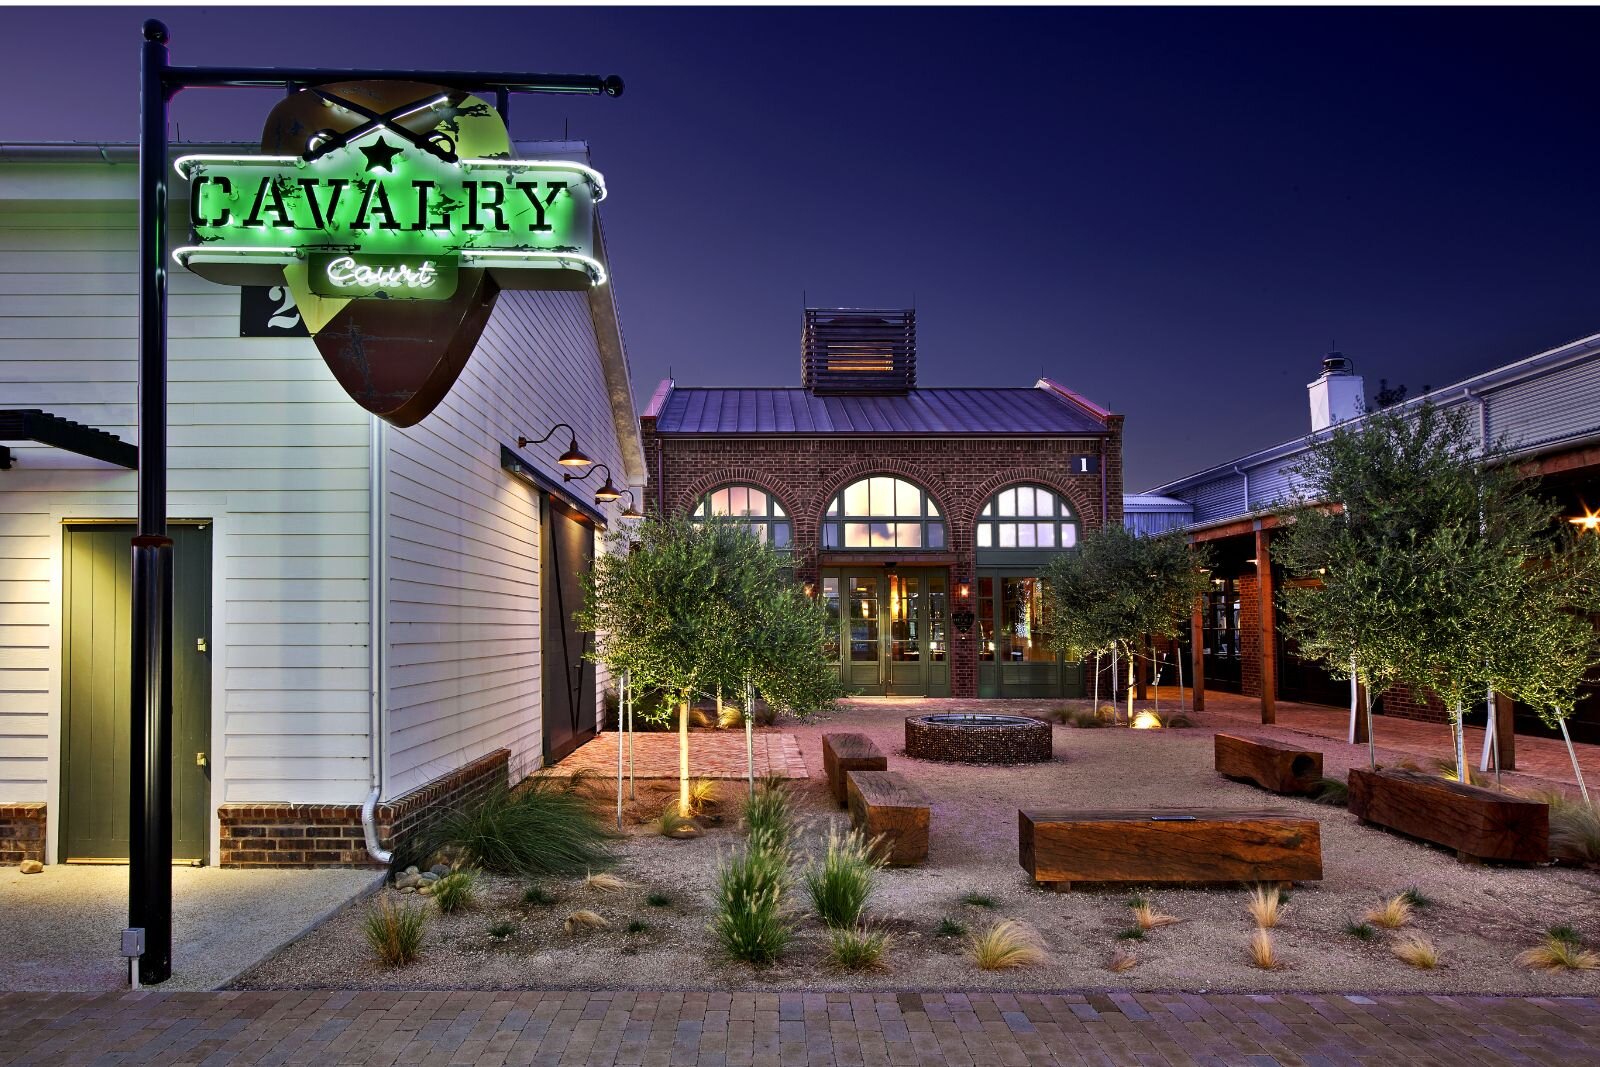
(751,923)
(1416,950)
(1392,914)
(1004,946)
(857,949)
(394,931)
(543,827)
(840,887)
(1265,906)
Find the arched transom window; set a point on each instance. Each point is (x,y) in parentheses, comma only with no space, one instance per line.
(882,512)
(1027,516)
(755,509)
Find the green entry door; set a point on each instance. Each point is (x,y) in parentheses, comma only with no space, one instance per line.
(1014,654)
(893,630)
(95,698)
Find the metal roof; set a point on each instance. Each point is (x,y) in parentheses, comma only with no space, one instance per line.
(1043,409)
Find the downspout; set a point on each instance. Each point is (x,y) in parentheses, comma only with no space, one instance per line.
(1105,498)
(377,630)
(661,480)
(1246,476)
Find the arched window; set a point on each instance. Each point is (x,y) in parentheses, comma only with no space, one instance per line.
(1027,517)
(882,512)
(756,509)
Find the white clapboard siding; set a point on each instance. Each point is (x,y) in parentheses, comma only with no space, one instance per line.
(261,438)
(464,624)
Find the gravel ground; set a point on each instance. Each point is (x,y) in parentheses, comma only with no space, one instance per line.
(1481,915)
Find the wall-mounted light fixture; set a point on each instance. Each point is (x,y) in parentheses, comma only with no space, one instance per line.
(964,590)
(630,511)
(811,588)
(603,495)
(572,457)
(1589,520)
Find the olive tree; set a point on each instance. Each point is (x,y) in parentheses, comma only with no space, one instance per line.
(1117,587)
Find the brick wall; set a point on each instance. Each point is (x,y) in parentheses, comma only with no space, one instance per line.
(1403,703)
(330,835)
(961,474)
(21,833)
(1249,635)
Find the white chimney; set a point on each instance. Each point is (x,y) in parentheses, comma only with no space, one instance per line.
(1338,395)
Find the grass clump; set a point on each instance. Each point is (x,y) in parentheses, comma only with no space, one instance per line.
(1392,914)
(456,891)
(979,900)
(1417,898)
(767,817)
(840,887)
(1574,826)
(949,927)
(1565,932)
(1122,959)
(1148,918)
(637,926)
(669,823)
(1417,951)
(751,923)
(1265,906)
(1004,946)
(603,883)
(1087,720)
(1263,953)
(394,932)
(658,900)
(502,929)
(857,949)
(585,920)
(1180,722)
(1361,931)
(1132,933)
(537,896)
(541,827)
(1558,954)
(1334,792)
(703,791)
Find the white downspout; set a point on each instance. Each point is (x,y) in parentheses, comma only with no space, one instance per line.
(377,628)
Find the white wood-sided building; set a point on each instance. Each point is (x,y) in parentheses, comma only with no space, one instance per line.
(361,610)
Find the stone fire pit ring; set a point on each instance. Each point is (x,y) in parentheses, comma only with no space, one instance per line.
(978,737)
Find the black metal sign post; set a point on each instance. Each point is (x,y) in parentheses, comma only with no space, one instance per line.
(150,786)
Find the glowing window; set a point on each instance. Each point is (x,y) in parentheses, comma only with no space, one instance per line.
(755,509)
(1024,517)
(882,512)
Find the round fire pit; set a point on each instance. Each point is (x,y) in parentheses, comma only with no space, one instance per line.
(978,737)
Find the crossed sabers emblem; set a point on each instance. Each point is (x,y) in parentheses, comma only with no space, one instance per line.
(435,142)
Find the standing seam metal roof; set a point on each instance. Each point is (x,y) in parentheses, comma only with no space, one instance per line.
(921,411)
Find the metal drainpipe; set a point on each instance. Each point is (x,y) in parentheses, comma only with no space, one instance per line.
(1246,477)
(1105,498)
(377,616)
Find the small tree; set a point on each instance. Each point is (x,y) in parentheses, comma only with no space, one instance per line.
(687,607)
(1118,587)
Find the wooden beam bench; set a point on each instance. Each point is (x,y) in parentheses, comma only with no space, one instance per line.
(843,753)
(1478,823)
(1169,845)
(884,802)
(1276,766)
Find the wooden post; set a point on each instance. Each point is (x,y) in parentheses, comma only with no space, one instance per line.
(1267,621)
(1505,731)
(1197,650)
(1142,672)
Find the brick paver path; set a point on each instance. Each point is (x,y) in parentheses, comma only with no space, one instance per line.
(482,1028)
(712,754)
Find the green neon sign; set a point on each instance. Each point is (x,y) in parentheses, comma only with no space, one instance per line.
(388,207)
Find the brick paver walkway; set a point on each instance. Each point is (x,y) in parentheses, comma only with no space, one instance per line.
(484,1028)
(718,754)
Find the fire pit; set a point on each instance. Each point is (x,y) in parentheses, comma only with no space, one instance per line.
(978,737)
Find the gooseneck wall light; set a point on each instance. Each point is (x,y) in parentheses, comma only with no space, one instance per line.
(572,457)
(603,495)
(632,510)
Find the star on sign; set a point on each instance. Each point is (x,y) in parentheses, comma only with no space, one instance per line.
(380,154)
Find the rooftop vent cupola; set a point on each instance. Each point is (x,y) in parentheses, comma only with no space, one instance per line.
(865,351)
(1337,395)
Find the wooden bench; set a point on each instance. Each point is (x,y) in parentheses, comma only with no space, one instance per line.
(884,802)
(1170,845)
(1480,824)
(1276,766)
(843,753)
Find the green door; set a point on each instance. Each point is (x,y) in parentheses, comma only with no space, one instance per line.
(95,680)
(893,630)
(1014,654)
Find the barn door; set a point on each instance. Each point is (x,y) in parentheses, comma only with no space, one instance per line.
(95,697)
(569,700)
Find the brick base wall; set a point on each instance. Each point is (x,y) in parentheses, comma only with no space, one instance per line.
(21,833)
(1249,635)
(1403,703)
(330,835)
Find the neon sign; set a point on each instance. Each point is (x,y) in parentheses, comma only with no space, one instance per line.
(384,277)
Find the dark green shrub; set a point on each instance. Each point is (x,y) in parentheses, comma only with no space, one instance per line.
(658,900)
(949,927)
(538,896)
(1417,898)
(979,900)
(502,929)
(1132,933)
(1360,931)
(543,827)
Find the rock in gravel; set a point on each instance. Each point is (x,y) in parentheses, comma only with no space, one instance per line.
(32,867)
(439,870)
(427,878)
(409,889)
(409,880)
(426,890)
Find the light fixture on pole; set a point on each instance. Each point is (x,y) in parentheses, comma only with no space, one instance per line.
(603,495)
(572,457)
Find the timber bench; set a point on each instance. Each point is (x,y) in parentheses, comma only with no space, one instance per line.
(843,753)
(884,802)
(1276,766)
(1169,845)
(1479,824)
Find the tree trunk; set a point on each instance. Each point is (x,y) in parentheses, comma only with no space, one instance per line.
(683,754)
(1372,746)
(630,742)
(749,736)
(1577,771)
(1130,685)
(1096,708)
(1178,658)
(1458,741)
(622,696)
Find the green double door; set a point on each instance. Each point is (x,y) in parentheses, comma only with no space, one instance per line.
(892,629)
(1015,658)
(95,697)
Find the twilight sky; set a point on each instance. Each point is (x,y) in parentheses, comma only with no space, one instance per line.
(1173,211)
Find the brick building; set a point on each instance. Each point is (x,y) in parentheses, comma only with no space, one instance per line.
(921,516)
(1544,408)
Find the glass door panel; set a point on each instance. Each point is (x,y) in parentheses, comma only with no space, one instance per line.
(830,603)
(907,630)
(866,652)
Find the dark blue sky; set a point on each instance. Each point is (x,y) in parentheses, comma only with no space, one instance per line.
(1173,211)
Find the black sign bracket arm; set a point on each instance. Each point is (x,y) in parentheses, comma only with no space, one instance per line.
(150,780)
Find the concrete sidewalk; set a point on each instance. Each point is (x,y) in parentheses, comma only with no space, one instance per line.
(494,1029)
(62,928)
